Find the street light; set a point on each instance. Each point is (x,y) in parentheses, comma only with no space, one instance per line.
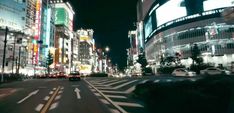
(107,49)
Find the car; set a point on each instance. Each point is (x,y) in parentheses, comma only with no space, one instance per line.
(75,75)
(214,71)
(183,72)
(61,75)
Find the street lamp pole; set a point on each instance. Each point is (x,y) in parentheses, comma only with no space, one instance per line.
(19,60)
(13,57)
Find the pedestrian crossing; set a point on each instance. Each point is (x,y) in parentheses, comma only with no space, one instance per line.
(118,91)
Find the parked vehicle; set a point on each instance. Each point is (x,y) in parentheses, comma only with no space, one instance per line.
(214,71)
(183,72)
(75,75)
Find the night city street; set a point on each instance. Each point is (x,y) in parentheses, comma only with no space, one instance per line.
(122,56)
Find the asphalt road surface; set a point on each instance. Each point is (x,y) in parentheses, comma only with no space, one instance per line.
(90,95)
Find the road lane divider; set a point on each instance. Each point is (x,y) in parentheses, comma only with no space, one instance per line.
(108,99)
(28,96)
(47,105)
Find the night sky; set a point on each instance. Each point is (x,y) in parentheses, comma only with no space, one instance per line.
(111,20)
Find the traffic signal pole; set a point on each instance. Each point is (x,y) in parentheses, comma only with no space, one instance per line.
(4,54)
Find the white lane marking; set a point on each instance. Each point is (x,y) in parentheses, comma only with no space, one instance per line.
(108,91)
(62,88)
(77,93)
(46,98)
(51,92)
(74,85)
(93,90)
(57,97)
(125,84)
(110,81)
(128,104)
(60,92)
(144,81)
(116,96)
(54,105)
(29,95)
(104,101)
(114,111)
(103,81)
(97,94)
(168,80)
(54,88)
(156,81)
(116,82)
(131,89)
(39,107)
(108,99)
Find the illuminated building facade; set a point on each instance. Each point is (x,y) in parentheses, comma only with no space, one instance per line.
(197,22)
(86,51)
(63,35)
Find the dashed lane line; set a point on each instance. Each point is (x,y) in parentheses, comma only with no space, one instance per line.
(46,107)
(39,107)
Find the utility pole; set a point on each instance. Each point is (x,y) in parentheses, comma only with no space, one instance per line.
(4,54)
(19,60)
(13,56)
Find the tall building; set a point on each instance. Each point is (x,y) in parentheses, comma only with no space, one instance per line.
(196,22)
(63,35)
(13,16)
(86,51)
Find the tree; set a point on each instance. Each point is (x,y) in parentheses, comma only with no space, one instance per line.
(49,61)
(195,53)
(142,60)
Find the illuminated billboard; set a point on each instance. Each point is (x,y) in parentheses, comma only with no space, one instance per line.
(215,4)
(148,27)
(61,17)
(169,11)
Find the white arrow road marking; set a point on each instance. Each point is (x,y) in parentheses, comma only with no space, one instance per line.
(53,106)
(77,93)
(38,108)
(29,95)
(46,98)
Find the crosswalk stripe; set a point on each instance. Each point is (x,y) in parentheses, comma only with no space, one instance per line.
(53,106)
(116,96)
(128,104)
(156,81)
(131,89)
(110,81)
(144,81)
(108,91)
(100,81)
(122,85)
(116,82)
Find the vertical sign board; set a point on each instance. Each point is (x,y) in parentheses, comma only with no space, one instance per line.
(37,31)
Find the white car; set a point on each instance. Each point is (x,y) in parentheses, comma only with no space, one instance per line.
(214,71)
(183,72)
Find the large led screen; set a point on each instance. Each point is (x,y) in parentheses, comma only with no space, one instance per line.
(171,10)
(148,27)
(215,4)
